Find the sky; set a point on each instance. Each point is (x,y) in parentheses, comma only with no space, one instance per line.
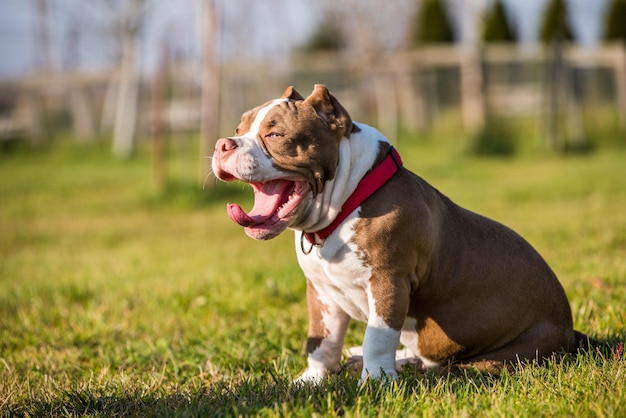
(79,29)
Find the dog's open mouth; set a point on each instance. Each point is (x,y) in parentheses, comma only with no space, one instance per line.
(274,203)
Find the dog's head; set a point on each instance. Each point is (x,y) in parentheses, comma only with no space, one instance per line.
(287,150)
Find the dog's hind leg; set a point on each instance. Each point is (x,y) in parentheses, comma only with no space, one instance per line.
(538,343)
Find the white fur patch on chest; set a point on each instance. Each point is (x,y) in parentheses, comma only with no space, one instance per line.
(337,270)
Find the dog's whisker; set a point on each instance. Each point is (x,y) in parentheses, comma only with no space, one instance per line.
(209,174)
(209,170)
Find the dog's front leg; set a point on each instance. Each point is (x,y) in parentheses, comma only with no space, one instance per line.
(387,309)
(327,328)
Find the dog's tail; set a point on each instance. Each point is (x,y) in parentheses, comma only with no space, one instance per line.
(583,342)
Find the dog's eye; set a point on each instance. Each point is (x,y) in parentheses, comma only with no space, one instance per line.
(237,131)
(273,135)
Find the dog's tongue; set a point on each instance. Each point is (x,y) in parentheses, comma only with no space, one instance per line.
(267,198)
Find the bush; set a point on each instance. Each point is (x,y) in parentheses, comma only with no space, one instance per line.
(496,138)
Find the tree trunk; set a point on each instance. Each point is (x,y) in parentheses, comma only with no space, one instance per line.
(159,123)
(128,83)
(82,116)
(209,129)
(554,88)
(472,97)
(127,94)
(620,81)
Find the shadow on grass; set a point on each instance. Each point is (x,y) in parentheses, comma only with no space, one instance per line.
(269,394)
(222,398)
(259,395)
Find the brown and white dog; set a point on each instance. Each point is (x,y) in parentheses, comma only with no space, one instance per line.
(379,244)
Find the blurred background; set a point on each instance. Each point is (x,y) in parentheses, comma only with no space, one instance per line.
(124,284)
(127,72)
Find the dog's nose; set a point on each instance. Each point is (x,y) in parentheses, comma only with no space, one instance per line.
(225,145)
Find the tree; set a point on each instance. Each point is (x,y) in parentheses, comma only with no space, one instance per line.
(616,31)
(555,25)
(432,24)
(128,84)
(497,27)
(43,57)
(327,37)
(615,25)
(554,31)
(211,75)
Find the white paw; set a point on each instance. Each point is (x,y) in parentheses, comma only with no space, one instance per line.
(386,376)
(310,377)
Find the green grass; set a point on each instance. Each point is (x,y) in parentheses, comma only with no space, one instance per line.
(117,299)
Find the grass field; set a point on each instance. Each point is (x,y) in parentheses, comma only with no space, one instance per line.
(120,300)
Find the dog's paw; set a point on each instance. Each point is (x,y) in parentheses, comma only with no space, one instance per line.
(310,377)
(405,359)
(384,376)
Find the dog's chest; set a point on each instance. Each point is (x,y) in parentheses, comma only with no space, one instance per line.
(338,272)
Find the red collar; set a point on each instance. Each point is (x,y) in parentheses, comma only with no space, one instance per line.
(373,181)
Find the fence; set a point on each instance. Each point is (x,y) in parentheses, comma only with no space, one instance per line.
(406,89)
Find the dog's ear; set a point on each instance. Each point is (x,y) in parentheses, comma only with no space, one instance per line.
(330,110)
(291,94)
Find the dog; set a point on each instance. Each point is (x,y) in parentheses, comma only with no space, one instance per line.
(377,243)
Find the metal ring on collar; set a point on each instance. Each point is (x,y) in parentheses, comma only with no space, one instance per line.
(313,244)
